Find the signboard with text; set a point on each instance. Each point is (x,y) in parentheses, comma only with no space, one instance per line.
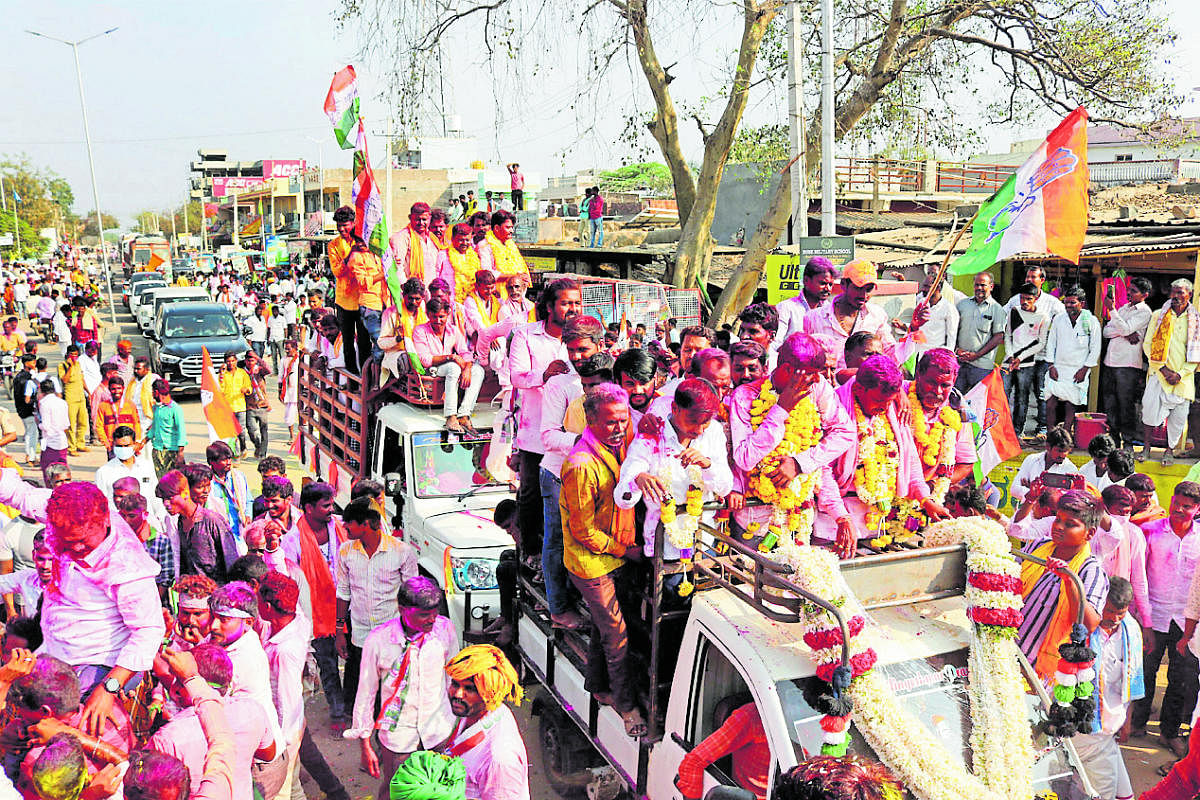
(785,271)
(236,185)
(282,168)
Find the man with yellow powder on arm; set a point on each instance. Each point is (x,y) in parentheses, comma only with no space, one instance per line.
(460,261)
(485,735)
(395,335)
(1172,346)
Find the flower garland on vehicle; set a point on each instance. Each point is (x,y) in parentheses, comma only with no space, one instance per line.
(935,443)
(1001,746)
(793,507)
(876,474)
(681,529)
(1000,739)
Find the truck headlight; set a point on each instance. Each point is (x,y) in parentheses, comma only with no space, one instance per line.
(167,358)
(474,573)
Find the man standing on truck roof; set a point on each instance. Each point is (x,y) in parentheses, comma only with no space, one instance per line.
(346,297)
(535,355)
(486,736)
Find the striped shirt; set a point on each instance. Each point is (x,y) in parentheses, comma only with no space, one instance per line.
(1041,603)
(371,583)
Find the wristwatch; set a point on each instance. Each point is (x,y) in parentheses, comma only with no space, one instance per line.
(112,685)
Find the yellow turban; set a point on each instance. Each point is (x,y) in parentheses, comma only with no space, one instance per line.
(495,678)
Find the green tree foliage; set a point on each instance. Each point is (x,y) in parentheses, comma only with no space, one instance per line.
(32,245)
(111,223)
(648,176)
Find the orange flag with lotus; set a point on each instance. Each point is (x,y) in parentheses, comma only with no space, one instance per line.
(222,422)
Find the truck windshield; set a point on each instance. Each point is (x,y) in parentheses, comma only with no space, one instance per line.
(443,469)
(934,691)
(207,324)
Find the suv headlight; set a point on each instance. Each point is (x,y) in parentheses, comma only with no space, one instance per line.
(167,358)
(473,573)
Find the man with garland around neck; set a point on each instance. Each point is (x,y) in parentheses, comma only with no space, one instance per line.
(944,441)
(881,466)
(779,436)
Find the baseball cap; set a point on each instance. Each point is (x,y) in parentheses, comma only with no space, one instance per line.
(860,272)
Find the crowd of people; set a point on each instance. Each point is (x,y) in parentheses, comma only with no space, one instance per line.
(162,618)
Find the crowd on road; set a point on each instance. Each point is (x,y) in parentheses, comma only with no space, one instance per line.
(161,619)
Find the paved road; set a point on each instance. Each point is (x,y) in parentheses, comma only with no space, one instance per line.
(1142,756)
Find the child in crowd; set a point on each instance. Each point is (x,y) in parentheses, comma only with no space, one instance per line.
(1120,465)
(1117,642)
(1096,470)
(1059,443)
(1121,548)
(1052,601)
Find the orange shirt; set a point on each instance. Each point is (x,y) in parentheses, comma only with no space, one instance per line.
(367,272)
(346,293)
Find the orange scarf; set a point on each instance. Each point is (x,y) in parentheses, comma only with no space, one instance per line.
(320,580)
(416,255)
(1162,335)
(1059,628)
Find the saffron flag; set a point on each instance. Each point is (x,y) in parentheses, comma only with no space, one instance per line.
(995,438)
(341,106)
(369,221)
(155,260)
(1041,208)
(222,422)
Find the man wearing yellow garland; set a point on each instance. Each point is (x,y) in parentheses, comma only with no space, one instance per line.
(460,259)
(943,439)
(416,252)
(498,251)
(780,436)
(880,467)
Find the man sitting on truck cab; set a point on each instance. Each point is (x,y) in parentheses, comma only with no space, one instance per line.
(598,537)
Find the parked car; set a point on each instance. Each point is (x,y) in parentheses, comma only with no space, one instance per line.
(136,279)
(182,331)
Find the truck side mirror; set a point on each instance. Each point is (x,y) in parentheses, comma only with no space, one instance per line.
(729,793)
(393,484)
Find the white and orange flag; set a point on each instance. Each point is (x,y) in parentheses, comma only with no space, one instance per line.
(222,422)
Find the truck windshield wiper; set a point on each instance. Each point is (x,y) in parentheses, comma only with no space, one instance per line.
(472,491)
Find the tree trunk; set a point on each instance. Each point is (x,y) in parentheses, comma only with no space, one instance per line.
(739,291)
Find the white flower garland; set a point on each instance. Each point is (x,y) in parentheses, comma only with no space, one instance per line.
(1000,736)
(681,528)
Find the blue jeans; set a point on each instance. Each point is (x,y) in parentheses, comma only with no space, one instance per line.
(1039,388)
(597,232)
(557,581)
(331,681)
(259,347)
(372,320)
(969,376)
(1018,385)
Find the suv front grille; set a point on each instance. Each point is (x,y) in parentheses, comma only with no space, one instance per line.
(192,366)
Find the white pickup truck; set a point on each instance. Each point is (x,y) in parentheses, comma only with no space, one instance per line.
(737,643)
(440,494)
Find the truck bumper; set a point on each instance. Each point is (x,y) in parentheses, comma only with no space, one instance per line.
(474,610)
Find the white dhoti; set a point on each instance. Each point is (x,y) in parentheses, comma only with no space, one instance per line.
(1101,757)
(1066,389)
(1158,407)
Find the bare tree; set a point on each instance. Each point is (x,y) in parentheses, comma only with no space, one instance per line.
(1007,59)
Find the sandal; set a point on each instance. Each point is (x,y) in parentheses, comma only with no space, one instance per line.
(453,425)
(465,422)
(635,725)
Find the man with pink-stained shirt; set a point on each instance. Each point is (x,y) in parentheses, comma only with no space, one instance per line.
(535,355)
(442,350)
(799,371)
(415,250)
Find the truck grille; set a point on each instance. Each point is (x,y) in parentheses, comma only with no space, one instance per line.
(192,366)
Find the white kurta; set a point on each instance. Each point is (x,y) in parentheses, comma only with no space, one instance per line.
(1069,347)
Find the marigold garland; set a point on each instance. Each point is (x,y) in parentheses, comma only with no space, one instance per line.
(681,529)
(876,474)
(935,443)
(793,508)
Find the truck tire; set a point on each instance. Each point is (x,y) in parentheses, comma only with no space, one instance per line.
(564,753)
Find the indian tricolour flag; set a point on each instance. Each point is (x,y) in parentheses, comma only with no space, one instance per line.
(341,105)
(995,438)
(1042,208)
(369,219)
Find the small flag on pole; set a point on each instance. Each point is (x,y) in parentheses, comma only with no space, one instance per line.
(995,438)
(16,197)
(222,422)
(341,105)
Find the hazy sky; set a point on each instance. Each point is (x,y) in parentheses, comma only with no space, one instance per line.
(249,77)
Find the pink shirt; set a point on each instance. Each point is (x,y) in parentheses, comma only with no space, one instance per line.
(104,609)
(474,309)
(1170,564)
(429,250)
(872,318)
(1122,552)
(428,344)
(517,181)
(183,738)
(750,446)
(516,310)
(531,351)
(287,651)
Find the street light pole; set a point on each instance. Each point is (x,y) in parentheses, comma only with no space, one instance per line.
(87,135)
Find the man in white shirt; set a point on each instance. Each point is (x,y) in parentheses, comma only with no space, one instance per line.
(535,355)
(1049,305)
(1058,446)
(126,464)
(1073,349)
(820,276)
(1025,332)
(54,419)
(234,609)
(403,667)
(941,329)
(1125,362)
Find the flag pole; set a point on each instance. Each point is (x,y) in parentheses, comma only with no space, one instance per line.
(941,273)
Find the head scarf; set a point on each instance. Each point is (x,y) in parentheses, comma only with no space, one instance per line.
(495,678)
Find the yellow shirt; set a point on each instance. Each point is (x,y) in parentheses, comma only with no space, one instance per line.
(589,513)
(346,293)
(234,386)
(1176,357)
(367,272)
